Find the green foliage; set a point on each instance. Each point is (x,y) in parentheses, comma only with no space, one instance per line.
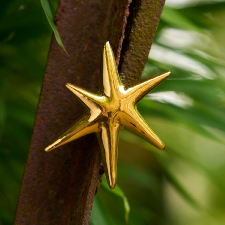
(24,39)
(48,13)
(185,184)
(118,191)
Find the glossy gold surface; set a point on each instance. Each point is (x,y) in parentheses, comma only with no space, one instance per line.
(109,111)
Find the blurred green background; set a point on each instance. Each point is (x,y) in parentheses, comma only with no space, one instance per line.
(182,185)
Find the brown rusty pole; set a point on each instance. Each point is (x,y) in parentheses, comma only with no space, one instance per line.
(59,187)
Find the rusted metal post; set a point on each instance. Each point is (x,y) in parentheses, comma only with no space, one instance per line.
(59,187)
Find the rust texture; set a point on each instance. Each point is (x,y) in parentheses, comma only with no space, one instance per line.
(140,31)
(59,187)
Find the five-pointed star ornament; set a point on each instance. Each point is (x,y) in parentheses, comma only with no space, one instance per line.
(113,108)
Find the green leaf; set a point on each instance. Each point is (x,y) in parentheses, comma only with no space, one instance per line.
(48,13)
(118,191)
(175,18)
(195,163)
(97,216)
(2,117)
(177,185)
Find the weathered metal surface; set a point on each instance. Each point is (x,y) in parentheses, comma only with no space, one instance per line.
(59,187)
(140,32)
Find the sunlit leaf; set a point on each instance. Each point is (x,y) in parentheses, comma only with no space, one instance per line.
(177,185)
(118,191)
(175,18)
(194,163)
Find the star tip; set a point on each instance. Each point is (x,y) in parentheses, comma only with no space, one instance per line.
(112,186)
(167,73)
(69,86)
(108,46)
(107,43)
(47,149)
(162,147)
(111,181)
(52,146)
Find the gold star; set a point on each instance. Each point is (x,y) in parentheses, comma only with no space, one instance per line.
(111,109)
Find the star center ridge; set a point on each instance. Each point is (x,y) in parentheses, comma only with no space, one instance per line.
(113,108)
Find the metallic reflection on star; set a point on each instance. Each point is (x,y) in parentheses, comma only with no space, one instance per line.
(110,110)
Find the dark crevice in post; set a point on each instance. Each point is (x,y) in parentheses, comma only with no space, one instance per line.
(139,34)
(133,11)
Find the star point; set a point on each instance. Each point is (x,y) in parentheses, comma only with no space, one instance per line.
(110,109)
